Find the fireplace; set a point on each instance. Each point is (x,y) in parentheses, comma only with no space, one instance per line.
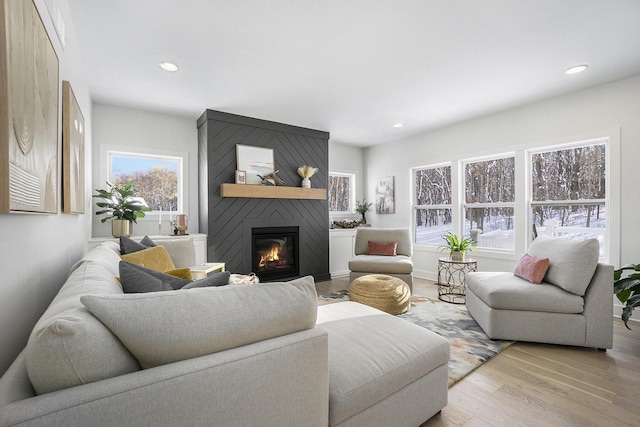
(275,253)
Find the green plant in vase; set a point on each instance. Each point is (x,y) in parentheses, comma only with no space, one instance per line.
(122,206)
(627,289)
(362,207)
(457,247)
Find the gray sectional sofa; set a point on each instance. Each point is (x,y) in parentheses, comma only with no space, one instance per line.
(252,355)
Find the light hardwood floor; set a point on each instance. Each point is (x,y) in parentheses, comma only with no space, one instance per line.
(532,384)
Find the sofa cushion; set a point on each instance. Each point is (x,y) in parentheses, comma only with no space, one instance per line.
(505,291)
(382,248)
(399,264)
(531,268)
(156,258)
(571,262)
(68,346)
(182,251)
(165,327)
(359,377)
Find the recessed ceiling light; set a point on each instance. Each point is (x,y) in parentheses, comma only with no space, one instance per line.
(168,66)
(397,125)
(576,69)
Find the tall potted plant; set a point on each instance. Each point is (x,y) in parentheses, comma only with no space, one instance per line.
(122,206)
(627,289)
(457,247)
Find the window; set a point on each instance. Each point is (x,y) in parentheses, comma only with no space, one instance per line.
(342,192)
(157,178)
(568,192)
(489,202)
(433,206)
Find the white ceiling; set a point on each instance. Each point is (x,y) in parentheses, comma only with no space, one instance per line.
(352,67)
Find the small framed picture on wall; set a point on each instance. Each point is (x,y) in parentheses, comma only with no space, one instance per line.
(384,196)
(241,177)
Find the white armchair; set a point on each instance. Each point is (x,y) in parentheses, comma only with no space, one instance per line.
(399,265)
(571,306)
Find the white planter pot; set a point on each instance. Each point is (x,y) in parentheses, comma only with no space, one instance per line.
(306,183)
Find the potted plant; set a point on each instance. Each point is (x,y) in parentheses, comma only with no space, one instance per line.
(627,289)
(362,207)
(122,206)
(457,247)
(305,173)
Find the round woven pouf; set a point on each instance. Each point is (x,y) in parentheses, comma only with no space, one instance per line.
(383,292)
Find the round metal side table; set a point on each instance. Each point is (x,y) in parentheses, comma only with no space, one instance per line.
(452,284)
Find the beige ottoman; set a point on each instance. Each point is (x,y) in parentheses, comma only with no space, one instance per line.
(386,293)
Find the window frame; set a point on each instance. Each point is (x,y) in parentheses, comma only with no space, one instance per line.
(107,151)
(352,193)
(523,229)
(415,206)
(480,205)
(612,181)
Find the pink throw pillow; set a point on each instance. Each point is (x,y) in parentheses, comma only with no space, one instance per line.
(382,248)
(531,268)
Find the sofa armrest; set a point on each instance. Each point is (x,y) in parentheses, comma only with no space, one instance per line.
(598,308)
(277,382)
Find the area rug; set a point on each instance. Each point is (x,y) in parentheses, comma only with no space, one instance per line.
(470,346)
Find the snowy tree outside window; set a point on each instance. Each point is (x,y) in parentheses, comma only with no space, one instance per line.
(341,192)
(433,203)
(568,192)
(489,202)
(157,178)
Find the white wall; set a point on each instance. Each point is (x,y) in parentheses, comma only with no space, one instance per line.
(38,250)
(135,129)
(582,114)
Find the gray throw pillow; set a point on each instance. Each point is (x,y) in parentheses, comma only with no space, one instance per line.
(219,278)
(164,327)
(137,279)
(147,242)
(128,245)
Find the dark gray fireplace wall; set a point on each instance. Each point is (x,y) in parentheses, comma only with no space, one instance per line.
(228,221)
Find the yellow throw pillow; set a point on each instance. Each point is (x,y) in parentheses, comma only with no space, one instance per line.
(156,258)
(182,273)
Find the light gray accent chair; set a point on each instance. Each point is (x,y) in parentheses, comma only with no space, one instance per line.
(572,306)
(400,266)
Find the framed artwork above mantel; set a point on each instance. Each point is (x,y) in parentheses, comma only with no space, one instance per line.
(257,162)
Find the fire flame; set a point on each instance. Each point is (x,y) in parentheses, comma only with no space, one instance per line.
(271,255)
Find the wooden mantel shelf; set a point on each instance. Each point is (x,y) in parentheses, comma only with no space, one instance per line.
(272,192)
